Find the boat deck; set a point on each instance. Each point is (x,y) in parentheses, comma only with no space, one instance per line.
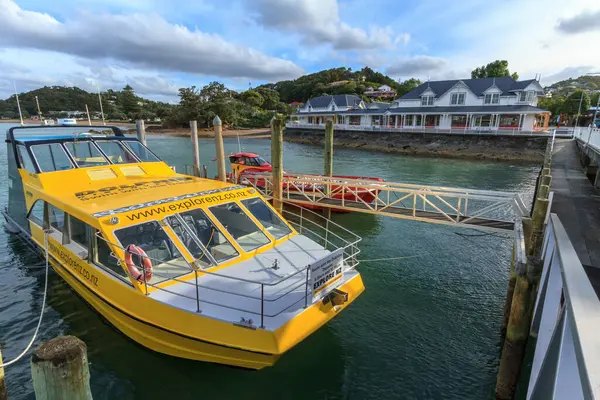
(236,292)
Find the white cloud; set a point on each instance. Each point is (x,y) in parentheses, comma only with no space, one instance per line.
(140,40)
(416,66)
(586,21)
(319,22)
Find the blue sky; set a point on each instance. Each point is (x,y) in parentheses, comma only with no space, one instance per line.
(159,46)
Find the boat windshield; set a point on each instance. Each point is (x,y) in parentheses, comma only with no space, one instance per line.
(86,154)
(167,261)
(267,217)
(140,151)
(116,153)
(201,237)
(240,226)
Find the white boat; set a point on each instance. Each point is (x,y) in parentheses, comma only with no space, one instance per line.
(66,121)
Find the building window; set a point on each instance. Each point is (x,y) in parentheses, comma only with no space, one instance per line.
(339,119)
(355,120)
(530,96)
(492,98)
(457,99)
(310,120)
(427,100)
(523,96)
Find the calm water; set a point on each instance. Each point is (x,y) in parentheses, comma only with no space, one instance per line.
(427,327)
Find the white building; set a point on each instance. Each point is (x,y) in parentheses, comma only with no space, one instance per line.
(488,104)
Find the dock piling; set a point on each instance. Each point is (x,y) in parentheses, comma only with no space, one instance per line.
(3,393)
(195,149)
(328,170)
(219,149)
(59,370)
(141,131)
(277,161)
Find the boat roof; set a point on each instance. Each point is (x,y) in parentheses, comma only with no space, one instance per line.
(244,154)
(114,189)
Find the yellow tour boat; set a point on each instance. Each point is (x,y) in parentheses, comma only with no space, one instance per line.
(190,267)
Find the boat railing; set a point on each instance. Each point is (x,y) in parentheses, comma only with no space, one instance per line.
(327,233)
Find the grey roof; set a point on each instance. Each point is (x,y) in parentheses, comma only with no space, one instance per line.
(514,109)
(341,100)
(477,86)
(380,104)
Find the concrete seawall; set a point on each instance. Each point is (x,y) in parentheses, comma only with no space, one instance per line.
(484,147)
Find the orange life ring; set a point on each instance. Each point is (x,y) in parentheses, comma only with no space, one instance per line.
(144,261)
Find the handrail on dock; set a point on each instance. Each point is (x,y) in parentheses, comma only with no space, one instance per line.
(484,209)
(566,363)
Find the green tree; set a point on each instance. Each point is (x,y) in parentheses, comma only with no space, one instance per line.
(215,91)
(270,96)
(130,103)
(495,69)
(407,86)
(252,97)
(576,102)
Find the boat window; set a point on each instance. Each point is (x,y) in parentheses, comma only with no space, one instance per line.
(252,161)
(36,213)
(56,218)
(51,157)
(211,238)
(116,153)
(86,154)
(25,159)
(141,151)
(79,232)
(240,226)
(267,217)
(166,259)
(104,257)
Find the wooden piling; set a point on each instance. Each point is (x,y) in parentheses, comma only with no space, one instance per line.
(195,149)
(522,304)
(141,131)
(277,161)
(512,279)
(59,370)
(221,171)
(328,169)
(3,393)
(517,331)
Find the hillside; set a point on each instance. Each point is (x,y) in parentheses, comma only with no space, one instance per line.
(345,81)
(55,100)
(568,86)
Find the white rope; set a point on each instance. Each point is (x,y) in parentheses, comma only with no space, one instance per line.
(41,313)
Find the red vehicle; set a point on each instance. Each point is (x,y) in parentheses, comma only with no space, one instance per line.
(245,165)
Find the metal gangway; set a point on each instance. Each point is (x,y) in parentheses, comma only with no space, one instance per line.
(482,209)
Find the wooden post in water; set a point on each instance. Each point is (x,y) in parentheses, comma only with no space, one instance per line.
(59,370)
(141,131)
(523,301)
(277,161)
(3,393)
(219,149)
(195,149)
(328,170)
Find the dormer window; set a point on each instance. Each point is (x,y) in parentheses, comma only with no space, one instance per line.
(492,98)
(458,99)
(527,97)
(523,96)
(427,100)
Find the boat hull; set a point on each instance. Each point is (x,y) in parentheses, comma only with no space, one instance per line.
(181,337)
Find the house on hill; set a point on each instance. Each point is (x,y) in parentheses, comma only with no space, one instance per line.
(383,91)
(481,104)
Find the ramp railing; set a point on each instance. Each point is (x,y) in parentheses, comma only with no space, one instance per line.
(566,363)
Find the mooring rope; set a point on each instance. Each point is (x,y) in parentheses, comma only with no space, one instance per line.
(41,312)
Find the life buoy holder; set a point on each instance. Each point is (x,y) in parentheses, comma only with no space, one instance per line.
(143,262)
